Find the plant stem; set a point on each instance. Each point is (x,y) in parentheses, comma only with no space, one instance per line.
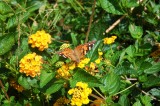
(1,84)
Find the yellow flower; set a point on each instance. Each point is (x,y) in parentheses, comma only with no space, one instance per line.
(65,45)
(100,53)
(97,61)
(83,62)
(80,94)
(109,40)
(31,64)
(62,101)
(63,71)
(40,39)
(92,66)
(72,66)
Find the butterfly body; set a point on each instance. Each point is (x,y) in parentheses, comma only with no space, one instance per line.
(78,53)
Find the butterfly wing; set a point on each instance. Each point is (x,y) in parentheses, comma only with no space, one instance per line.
(81,50)
(78,53)
(68,53)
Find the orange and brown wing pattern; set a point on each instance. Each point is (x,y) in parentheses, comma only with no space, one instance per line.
(81,50)
(67,53)
(78,53)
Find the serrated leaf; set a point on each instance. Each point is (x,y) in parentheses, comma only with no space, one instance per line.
(111,6)
(23,49)
(124,70)
(7,41)
(111,84)
(152,81)
(23,82)
(130,50)
(153,69)
(4,8)
(55,87)
(115,57)
(74,40)
(34,5)
(145,65)
(45,78)
(138,103)
(93,54)
(123,101)
(15,19)
(130,3)
(146,100)
(82,76)
(136,31)
(155,92)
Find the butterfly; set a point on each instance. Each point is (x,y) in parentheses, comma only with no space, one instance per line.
(78,53)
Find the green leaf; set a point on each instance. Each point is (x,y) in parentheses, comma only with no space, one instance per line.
(23,81)
(130,3)
(111,84)
(138,103)
(111,6)
(153,69)
(45,78)
(124,70)
(17,19)
(34,5)
(136,31)
(23,49)
(82,76)
(152,81)
(130,50)
(74,40)
(55,87)
(6,42)
(124,101)
(155,92)
(4,8)
(93,53)
(146,100)
(145,65)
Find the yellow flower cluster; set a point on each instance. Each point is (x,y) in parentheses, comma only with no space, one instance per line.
(62,101)
(40,39)
(109,40)
(16,86)
(63,46)
(31,64)
(63,71)
(83,62)
(80,94)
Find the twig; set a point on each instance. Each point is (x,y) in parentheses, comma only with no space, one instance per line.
(147,94)
(1,84)
(98,93)
(115,24)
(90,22)
(126,88)
(95,96)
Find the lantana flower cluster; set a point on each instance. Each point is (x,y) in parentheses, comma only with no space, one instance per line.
(109,40)
(63,71)
(83,62)
(40,39)
(64,46)
(31,64)
(80,94)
